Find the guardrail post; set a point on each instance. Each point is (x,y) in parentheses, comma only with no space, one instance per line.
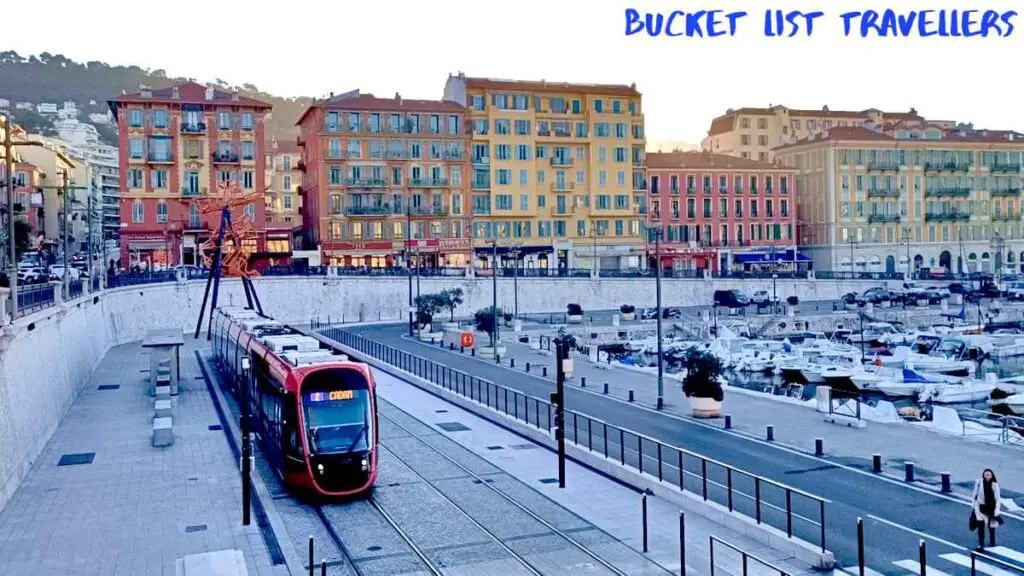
(527,366)
(544,372)
(497,359)
(323,568)
(819,447)
(924,558)
(682,543)
(643,504)
(876,463)
(312,566)
(728,421)
(583,381)
(472,351)
(770,432)
(947,482)
(860,545)
(512,362)
(605,389)
(908,471)
(631,398)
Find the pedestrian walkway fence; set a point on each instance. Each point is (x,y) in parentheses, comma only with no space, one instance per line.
(799,514)
(746,559)
(34,297)
(1005,428)
(987,564)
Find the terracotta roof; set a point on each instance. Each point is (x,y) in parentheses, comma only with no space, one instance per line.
(545,86)
(356,101)
(697,160)
(861,134)
(726,122)
(188,93)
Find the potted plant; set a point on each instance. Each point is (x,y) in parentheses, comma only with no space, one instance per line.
(702,383)
(484,320)
(793,302)
(628,311)
(426,306)
(450,300)
(508,320)
(574,312)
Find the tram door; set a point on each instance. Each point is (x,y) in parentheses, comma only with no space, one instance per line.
(291,435)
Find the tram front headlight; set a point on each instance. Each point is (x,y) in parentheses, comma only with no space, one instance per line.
(366,464)
(320,468)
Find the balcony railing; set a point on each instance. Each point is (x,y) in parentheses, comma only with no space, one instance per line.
(482,160)
(951,191)
(429,211)
(883,166)
(1005,191)
(193,128)
(396,154)
(883,193)
(947,166)
(565,161)
(428,182)
(882,218)
(160,158)
(192,192)
(948,216)
(478,185)
(639,186)
(477,211)
(449,155)
(1004,167)
(367,210)
(225,158)
(1005,217)
(196,224)
(366,182)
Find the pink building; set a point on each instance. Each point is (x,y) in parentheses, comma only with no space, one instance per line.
(721,212)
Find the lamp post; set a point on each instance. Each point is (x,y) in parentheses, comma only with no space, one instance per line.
(656,233)
(997,245)
(905,238)
(515,280)
(246,441)
(494,295)
(775,277)
(852,243)
(408,264)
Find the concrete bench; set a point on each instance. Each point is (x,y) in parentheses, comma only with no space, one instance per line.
(162,409)
(163,432)
(219,563)
(163,392)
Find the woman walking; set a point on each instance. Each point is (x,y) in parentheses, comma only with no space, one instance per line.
(987,506)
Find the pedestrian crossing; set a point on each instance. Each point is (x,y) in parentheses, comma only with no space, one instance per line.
(995,561)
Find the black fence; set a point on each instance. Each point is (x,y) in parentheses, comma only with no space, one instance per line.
(35,297)
(75,288)
(745,560)
(797,513)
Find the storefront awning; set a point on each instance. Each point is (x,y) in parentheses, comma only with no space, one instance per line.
(147,245)
(781,256)
(506,250)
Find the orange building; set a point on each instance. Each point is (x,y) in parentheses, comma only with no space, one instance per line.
(383,174)
(175,144)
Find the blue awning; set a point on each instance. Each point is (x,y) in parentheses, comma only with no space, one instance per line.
(765,257)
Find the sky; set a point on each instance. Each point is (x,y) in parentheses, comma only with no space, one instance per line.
(310,48)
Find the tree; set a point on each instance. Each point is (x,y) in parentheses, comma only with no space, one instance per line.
(703,370)
(450,300)
(484,320)
(426,306)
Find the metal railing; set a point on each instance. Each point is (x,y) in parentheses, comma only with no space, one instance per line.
(745,558)
(75,288)
(1006,428)
(797,513)
(1001,566)
(33,298)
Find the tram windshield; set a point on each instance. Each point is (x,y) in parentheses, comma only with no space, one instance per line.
(336,406)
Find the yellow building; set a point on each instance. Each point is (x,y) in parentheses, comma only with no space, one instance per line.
(753,132)
(908,196)
(56,171)
(558,171)
(284,203)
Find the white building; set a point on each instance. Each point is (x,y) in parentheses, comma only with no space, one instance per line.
(101,118)
(23,105)
(5,103)
(69,110)
(46,109)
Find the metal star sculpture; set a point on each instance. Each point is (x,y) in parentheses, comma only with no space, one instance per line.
(240,237)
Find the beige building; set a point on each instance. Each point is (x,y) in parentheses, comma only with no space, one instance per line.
(908,196)
(284,203)
(57,170)
(754,132)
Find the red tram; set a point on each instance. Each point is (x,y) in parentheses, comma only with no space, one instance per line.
(314,409)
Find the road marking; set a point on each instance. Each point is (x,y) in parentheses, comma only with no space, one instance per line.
(856,571)
(1007,553)
(736,434)
(979,565)
(917,533)
(915,568)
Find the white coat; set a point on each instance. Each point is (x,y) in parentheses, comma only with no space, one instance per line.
(979,499)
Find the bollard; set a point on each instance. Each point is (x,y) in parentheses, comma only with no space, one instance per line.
(860,546)
(728,421)
(527,366)
(583,381)
(323,568)
(876,463)
(311,565)
(497,359)
(770,432)
(924,558)
(605,389)
(512,362)
(908,469)
(682,543)
(819,447)
(451,345)
(947,482)
(630,394)
(440,343)
(544,372)
(462,349)
(643,503)
(472,351)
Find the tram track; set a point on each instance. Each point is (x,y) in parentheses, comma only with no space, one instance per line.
(531,566)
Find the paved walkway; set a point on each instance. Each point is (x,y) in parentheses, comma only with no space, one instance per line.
(131,509)
(796,426)
(604,503)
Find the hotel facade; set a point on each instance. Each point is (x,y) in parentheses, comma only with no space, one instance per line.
(283,201)
(175,144)
(908,196)
(385,181)
(722,213)
(557,172)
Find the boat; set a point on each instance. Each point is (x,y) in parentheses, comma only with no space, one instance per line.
(934,361)
(875,332)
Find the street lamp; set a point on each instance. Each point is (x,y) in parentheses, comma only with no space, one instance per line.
(515,279)
(408,265)
(656,233)
(998,245)
(494,295)
(246,440)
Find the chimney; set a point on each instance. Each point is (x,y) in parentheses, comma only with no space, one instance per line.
(209,93)
(332,95)
(174,93)
(398,98)
(145,91)
(234,95)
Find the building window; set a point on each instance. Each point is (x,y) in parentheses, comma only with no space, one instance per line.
(159,178)
(136,148)
(248,150)
(246,120)
(247,180)
(159,118)
(250,211)
(138,212)
(135,117)
(161,212)
(224,120)
(135,178)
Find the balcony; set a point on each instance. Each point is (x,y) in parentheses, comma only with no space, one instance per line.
(428,182)
(193,192)
(883,218)
(366,182)
(1004,167)
(639,186)
(299,141)
(998,192)
(563,186)
(883,166)
(556,161)
(225,158)
(1005,217)
(196,224)
(449,155)
(301,166)
(396,155)
(428,211)
(947,166)
(947,216)
(883,193)
(950,191)
(479,185)
(481,160)
(481,211)
(381,210)
(193,127)
(160,158)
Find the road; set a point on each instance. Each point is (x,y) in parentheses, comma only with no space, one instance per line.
(896,516)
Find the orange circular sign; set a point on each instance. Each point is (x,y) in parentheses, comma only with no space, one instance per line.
(467,339)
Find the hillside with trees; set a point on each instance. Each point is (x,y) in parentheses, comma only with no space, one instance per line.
(56,78)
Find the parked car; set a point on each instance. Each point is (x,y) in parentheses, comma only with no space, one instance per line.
(666,312)
(32,275)
(761,298)
(876,295)
(56,272)
(731,299)
(956,288)
(1015,291)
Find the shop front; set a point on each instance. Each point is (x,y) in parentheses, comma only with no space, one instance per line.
(437,252)
(277,249)
(358,254)
(528,257)
(147,252)
(778,259)
(685,258)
